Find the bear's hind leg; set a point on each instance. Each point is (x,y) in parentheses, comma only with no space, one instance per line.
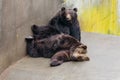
(30,48)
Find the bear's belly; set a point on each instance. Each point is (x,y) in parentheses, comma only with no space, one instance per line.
(46,52)
(65,30)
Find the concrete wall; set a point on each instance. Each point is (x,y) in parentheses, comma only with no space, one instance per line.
(16,18)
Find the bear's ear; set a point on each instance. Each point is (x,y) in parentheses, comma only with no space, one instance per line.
(63,9)
(75,9)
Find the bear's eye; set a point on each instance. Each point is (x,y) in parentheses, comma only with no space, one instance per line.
(82,53)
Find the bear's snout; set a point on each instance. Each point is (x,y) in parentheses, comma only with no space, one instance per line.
(68,17)
(79,57)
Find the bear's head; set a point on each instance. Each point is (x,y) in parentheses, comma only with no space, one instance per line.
(68,16)
(79,53)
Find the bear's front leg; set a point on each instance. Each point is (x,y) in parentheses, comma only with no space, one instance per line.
(59,58)
(55,62)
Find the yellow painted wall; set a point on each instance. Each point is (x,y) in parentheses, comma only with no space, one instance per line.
(101,18)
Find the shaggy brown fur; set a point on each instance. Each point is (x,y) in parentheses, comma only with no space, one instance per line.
(58,44)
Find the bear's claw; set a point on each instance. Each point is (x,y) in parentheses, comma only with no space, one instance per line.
(55,63)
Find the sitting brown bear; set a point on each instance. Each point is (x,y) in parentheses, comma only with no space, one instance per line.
(59,48)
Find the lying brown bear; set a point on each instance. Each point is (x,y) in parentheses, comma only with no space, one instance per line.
(59,48)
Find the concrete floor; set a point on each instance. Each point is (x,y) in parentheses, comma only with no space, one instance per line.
(104,64)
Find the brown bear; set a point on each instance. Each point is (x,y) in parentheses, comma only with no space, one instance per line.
(57,47)
(65,22)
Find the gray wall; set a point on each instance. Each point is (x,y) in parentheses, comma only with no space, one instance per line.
(16,17)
